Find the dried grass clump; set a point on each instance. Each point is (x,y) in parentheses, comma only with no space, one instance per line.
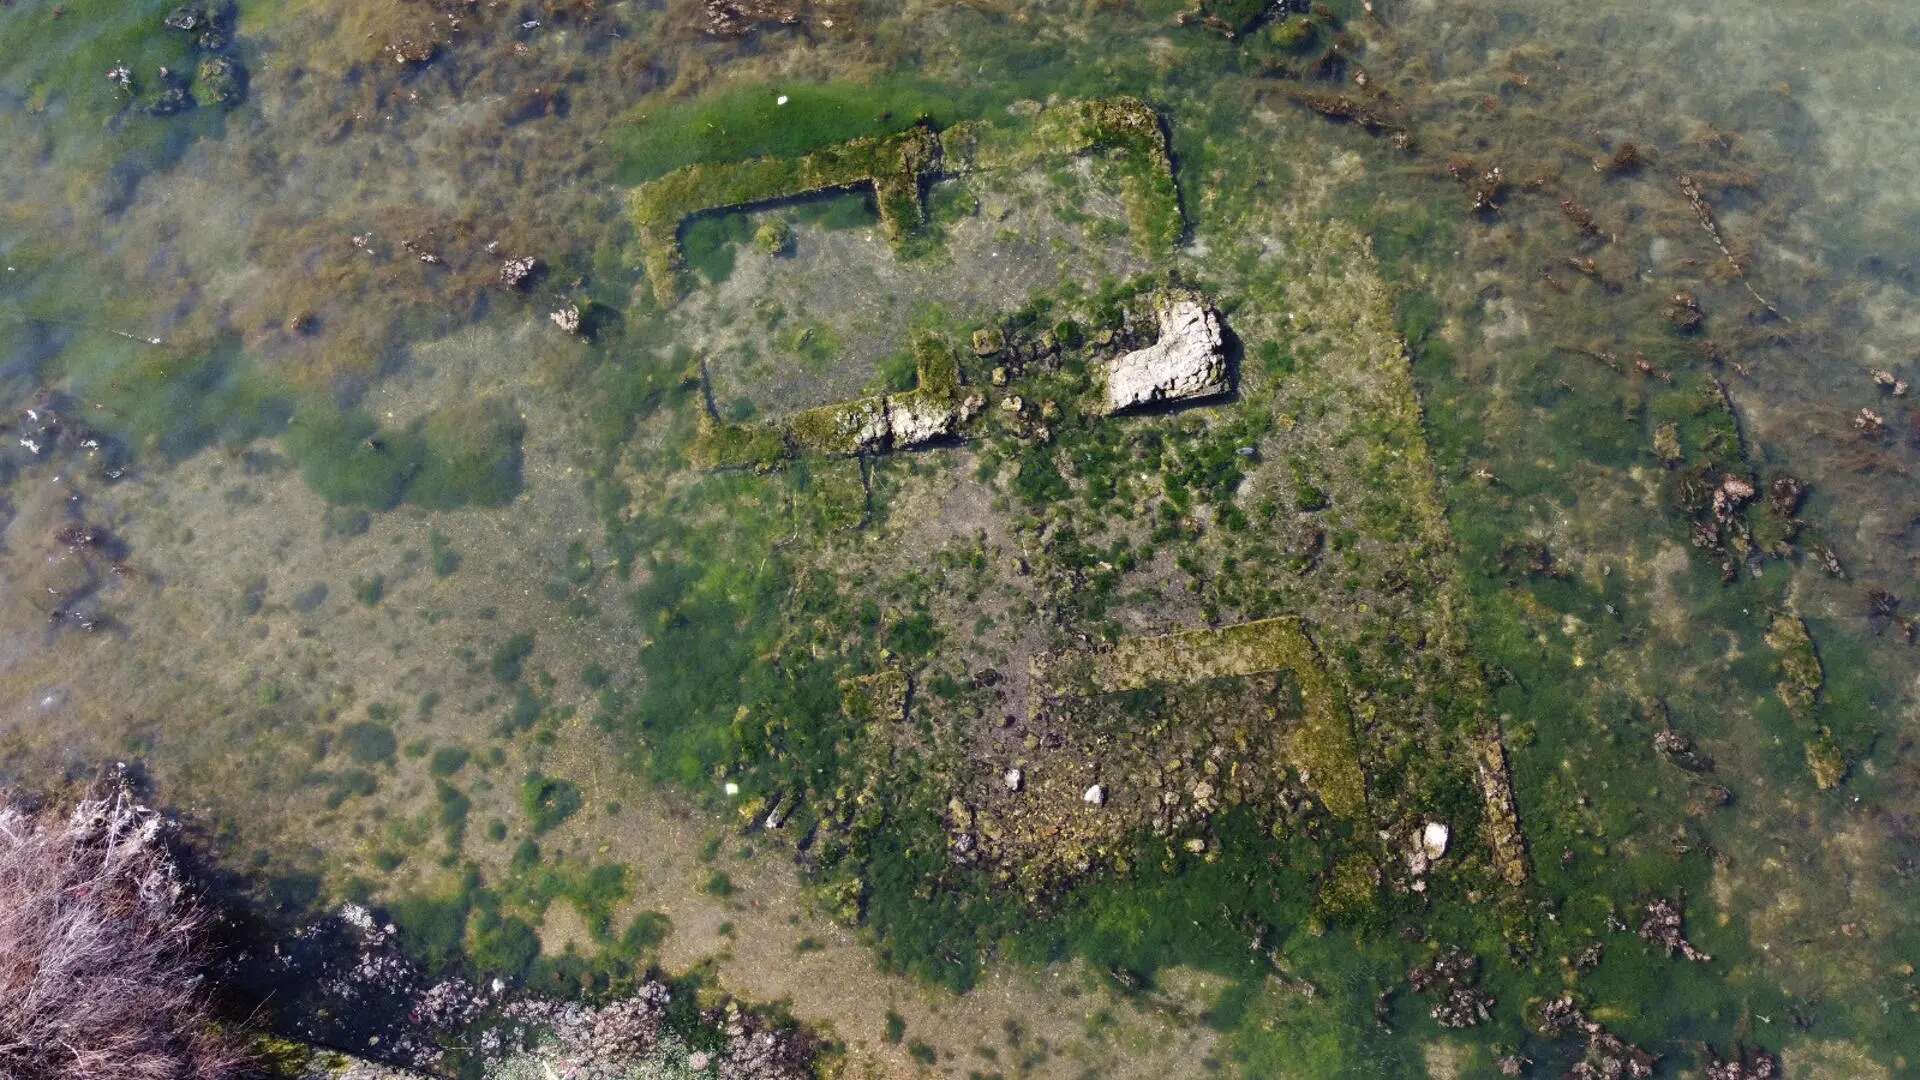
(101,949)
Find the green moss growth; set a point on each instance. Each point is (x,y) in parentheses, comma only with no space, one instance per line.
(175,403)
(892,165)
(1826,761)
(774,238)
(720,445)
(877,698)
(1293,35)
(745,122)
(1801,675)
(503,947)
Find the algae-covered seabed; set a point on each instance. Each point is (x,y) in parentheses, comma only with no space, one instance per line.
(404,594)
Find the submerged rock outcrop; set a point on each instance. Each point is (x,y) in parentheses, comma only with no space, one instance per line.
(1188,362)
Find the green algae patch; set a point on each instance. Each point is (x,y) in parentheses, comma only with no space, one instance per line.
(750,122)
(472,456)
(1322,747)
(462,455)
(877,698)
(1826,761)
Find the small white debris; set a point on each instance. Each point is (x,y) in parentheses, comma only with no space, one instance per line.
(1433,839)
(1095,796)
(732,789)
(1013,779)
(781,100)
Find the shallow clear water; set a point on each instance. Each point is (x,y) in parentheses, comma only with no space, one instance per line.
(362,508)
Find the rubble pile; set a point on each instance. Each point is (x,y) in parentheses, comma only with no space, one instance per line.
(1452,978)
(1608,1056)
(1661,926)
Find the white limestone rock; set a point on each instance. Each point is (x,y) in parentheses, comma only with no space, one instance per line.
(1188,362)
(912,421)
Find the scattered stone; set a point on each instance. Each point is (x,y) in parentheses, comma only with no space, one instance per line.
(1589,958)
(988,342)
(1732,494)
(1869,422)
(1678,747)
(1608,1057)
(914,419)
(410,53)
(1746,1064)
(172,100)
(1434,839)
(516,273)
(1829,560)
(1785,494)
(1886,380)
(1683,312)
(1662,927)
(1452,977)
(567,318)
(1095,796)
(1013,779)
(1188,362)
(737,18)
(186,19)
